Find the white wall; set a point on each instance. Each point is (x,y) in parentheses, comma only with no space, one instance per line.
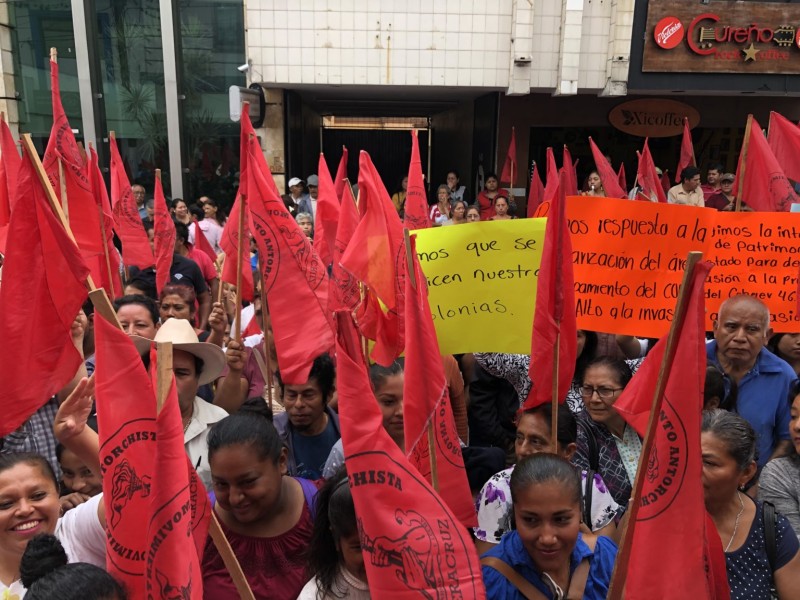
(465,43)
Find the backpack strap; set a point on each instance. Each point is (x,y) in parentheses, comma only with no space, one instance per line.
(578,583)
(770,529)
(586,513)
(525,587)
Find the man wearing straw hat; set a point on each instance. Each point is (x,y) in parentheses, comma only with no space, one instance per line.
(194,363)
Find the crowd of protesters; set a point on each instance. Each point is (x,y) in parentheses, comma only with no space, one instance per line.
(272,458)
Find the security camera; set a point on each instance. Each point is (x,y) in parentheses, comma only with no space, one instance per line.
(243,68)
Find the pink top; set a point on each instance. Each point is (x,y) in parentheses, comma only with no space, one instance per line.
(275,567)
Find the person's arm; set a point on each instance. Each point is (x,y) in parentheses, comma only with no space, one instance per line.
(204,300)
(217,321)
(77,331)
(70,428)
(631,346)
(232,388)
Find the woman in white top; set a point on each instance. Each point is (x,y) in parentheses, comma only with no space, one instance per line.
(29,505)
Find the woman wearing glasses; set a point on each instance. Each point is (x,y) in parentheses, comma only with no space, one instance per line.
(606,444)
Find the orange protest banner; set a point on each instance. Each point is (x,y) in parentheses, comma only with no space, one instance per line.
(629,258)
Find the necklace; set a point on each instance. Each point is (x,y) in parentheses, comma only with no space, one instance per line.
(736,523)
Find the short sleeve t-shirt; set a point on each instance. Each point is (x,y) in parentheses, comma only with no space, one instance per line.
(311,451)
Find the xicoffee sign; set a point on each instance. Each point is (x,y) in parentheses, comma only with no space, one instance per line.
(722,37)
(653,117)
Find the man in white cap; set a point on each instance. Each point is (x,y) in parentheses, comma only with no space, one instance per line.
(194,363)
(295,198)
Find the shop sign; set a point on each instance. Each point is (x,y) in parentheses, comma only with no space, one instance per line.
(652,117)
(722,37)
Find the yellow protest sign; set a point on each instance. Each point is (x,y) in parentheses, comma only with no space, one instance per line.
(482,283)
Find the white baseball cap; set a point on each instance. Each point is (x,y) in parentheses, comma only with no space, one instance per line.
(295,181)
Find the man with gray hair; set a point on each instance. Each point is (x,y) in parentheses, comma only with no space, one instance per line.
(757,382)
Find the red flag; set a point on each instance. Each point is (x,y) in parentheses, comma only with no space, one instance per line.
(765,186)
(623,180)
(426,400)
(647,177)
(572,176)
(665,182)
(607,174)
(229,242)
(126,410)
(341,175)
(376,252)
(9,172)
(136,249)
(344,289)
(202,244)
(294,278)
(536,193)
(376,256)
(110,279)
(43,289)
(509,173)
(413,545)
(163,237)
(555,311)
(551,189)
(671,509)
(416,209)
(327,217)
(687,151)
(83,216)
(784,139)
(179,511)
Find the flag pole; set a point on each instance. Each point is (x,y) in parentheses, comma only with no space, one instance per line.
(743,163)
(694,160)
(105,241)
(431,433)
(163,373)
(554,415)
(264,315)
(616,588)
(240,236)
(362,288)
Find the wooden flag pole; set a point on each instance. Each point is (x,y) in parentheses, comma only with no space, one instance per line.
(163,373)
(431,432)
(105,241)
(554,415)
(229,558)
(743,163)
(62,188)
(694,160)
(616,589)
(240,237)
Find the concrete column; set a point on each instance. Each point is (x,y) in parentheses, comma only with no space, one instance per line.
(619,48)
(272,135)
(519,80)
(569,59)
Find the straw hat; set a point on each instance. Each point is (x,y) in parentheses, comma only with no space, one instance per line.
(183,337)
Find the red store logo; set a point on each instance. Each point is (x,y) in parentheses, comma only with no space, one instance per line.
(668,32)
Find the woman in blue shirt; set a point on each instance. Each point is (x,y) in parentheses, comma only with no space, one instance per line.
(547,551)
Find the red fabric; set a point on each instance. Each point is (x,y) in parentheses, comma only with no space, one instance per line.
(413,545)
(202,244)
(687,151)
(229,242)
(509,173)
(9,173)
(344,289)
(555,311)
(294,278)
(43,289)
(551,187)
(623,180)
(607,174)
(426,399)
(163,237)
(207,267)
(647,177)
(765,186)
(416,208)
(341,175)
(665,182)
(179,511)
(784,139)
(671,509)
(572,176)
(110,279)
(252,328)
(536,193)
(136,249)
(84,220)
(327,217)
(126,419)
(375,255)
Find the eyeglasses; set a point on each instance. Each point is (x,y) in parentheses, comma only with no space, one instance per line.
(603,393)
